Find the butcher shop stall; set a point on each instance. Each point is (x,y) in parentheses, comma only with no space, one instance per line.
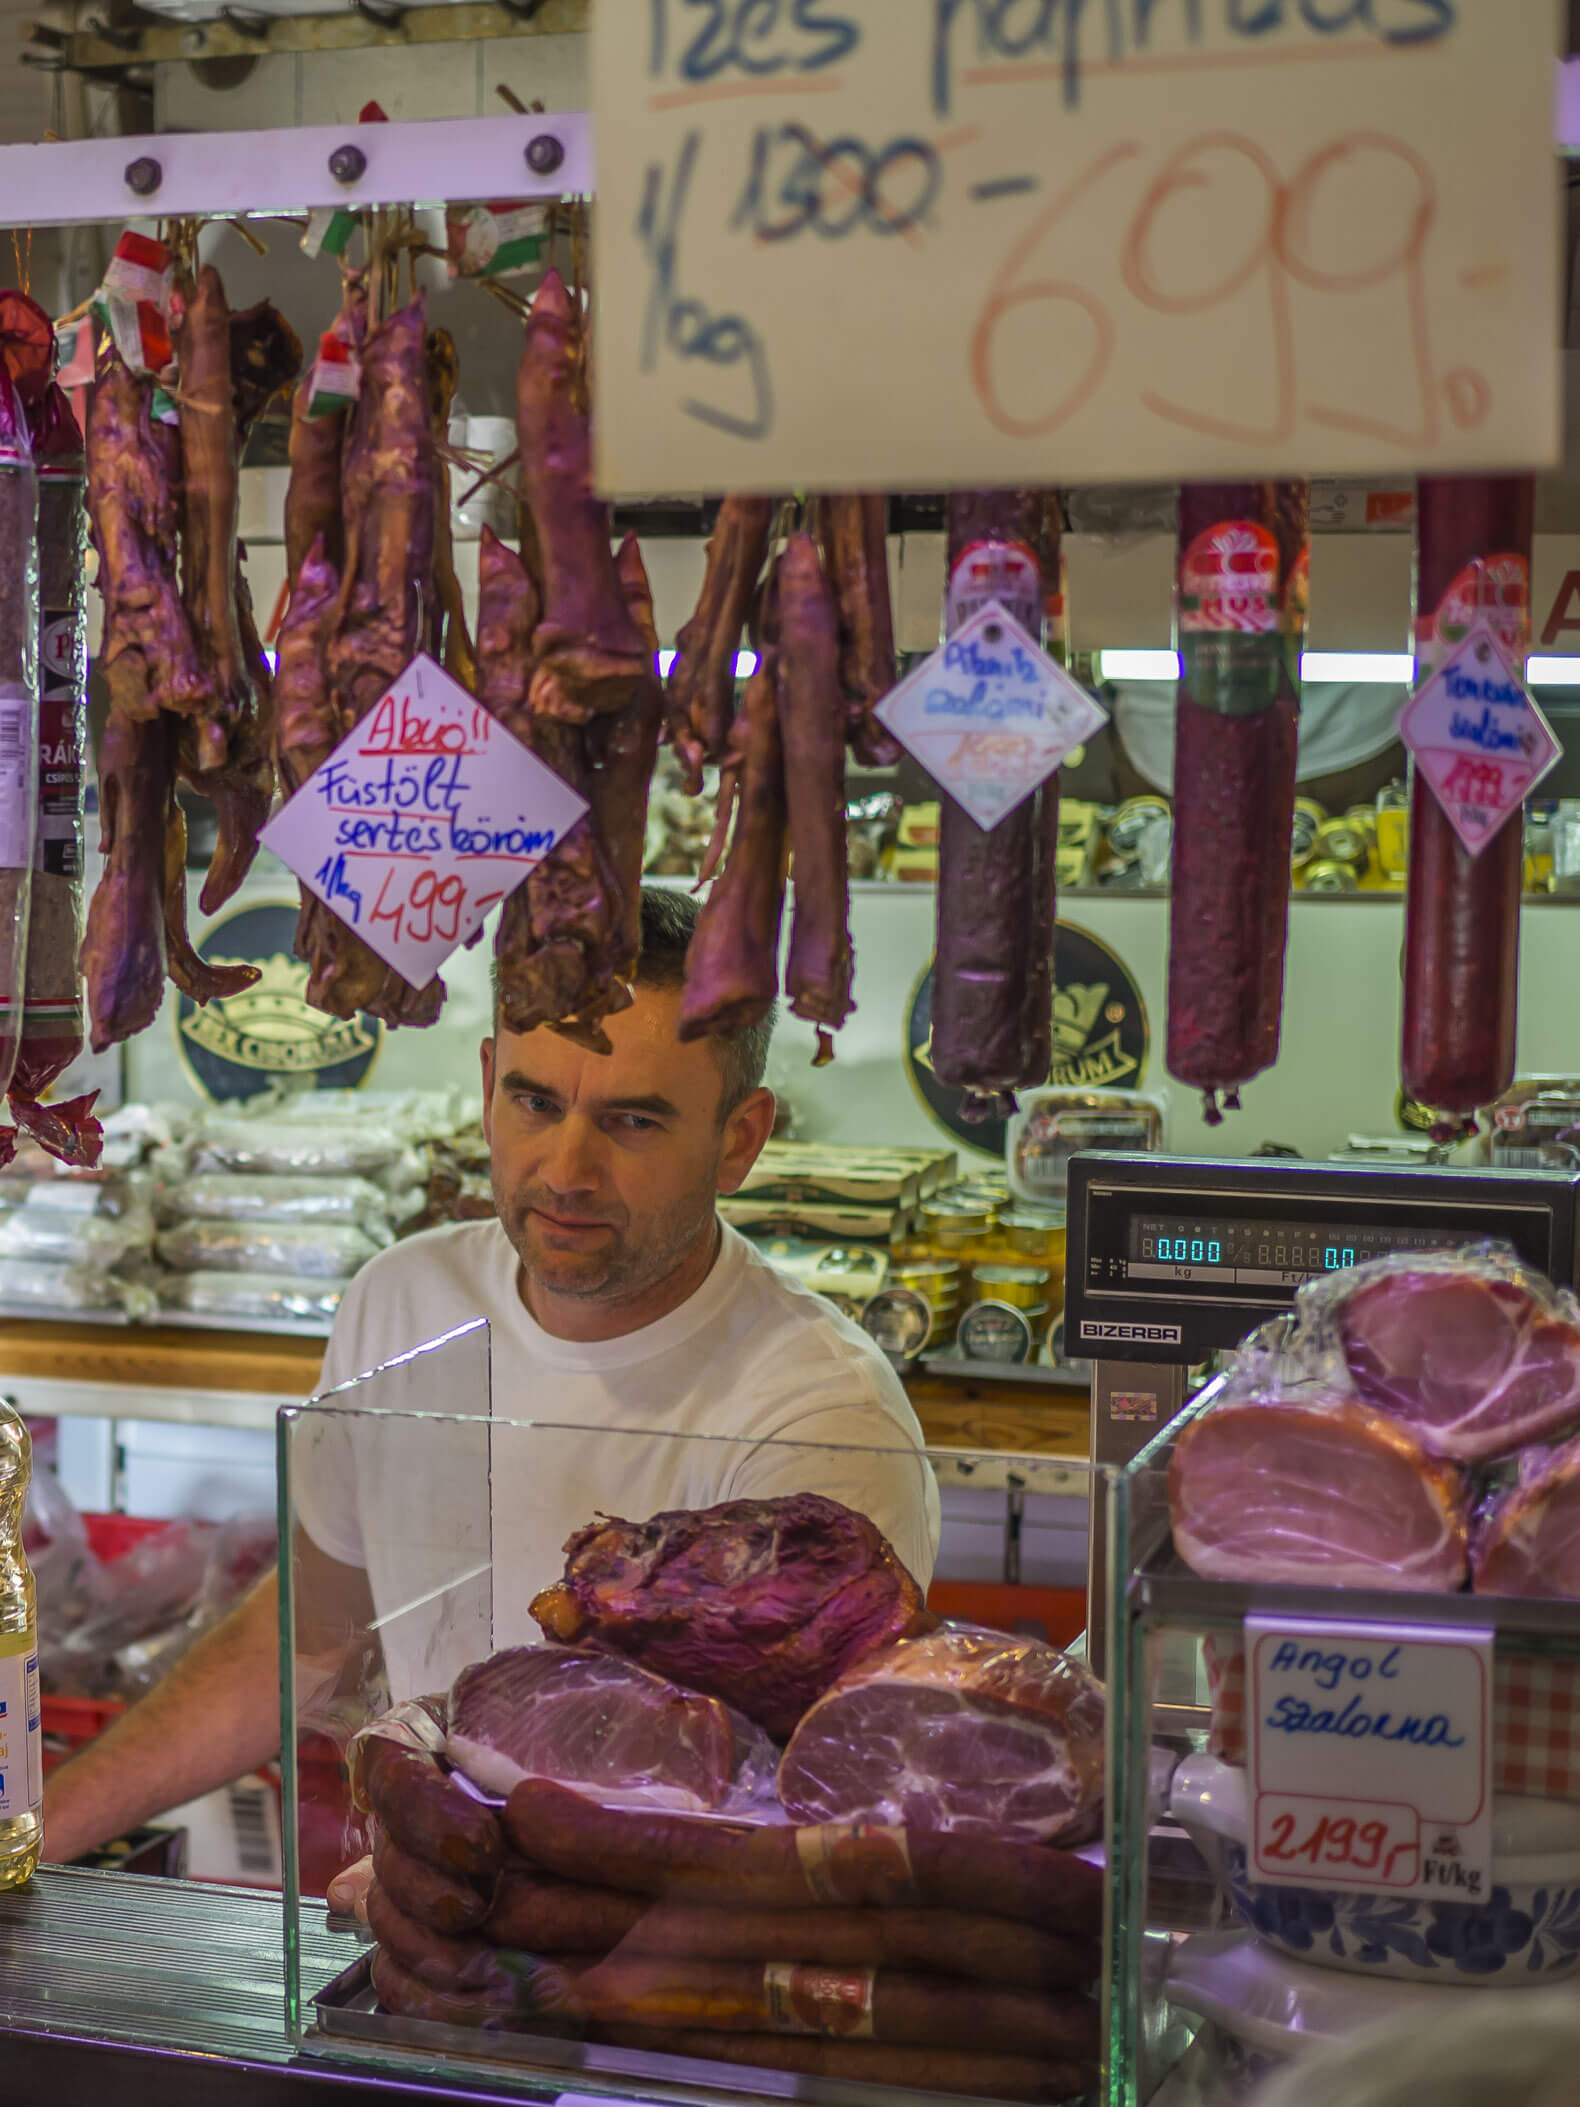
(1059,532)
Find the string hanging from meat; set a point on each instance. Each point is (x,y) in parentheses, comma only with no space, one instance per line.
(853,529)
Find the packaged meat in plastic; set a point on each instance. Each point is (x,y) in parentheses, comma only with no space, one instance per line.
(1291,1480)
(262,1196)
(1526,1538)
(18,721)
(1474,1351)
(297,1297)
(813,1586)
(961,1730)
(296,1148)
(72,1236)
(315,1251)
(47,1284)
(603,1725)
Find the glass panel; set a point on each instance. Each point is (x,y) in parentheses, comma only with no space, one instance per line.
(875,1908)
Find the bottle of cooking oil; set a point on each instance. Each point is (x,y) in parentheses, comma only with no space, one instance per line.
(21,1745)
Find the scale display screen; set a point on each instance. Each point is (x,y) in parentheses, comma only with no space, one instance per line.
(1224,1252)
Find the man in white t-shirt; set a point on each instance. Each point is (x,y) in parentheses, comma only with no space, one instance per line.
(641,1356)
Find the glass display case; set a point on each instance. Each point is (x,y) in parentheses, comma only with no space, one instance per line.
(1220,1974)
(697,1805)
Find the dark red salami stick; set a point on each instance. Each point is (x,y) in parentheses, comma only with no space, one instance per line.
(1462,912)
(1233,790)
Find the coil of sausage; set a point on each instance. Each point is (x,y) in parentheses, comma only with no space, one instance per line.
(1462,912)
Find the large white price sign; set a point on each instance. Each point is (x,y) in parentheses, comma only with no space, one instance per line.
(1369,1750)
(920,243)
(427,814)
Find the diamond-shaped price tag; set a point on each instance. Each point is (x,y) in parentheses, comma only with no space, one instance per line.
(421,820)
(990,715)
(1478,736)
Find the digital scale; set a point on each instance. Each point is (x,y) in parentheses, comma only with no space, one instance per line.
(1173,1259)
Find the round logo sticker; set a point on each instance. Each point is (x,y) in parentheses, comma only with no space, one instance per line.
(237,1047)
(1229,580)
(1100,1035)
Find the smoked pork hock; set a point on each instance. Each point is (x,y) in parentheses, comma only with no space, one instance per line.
(962,1730)
(594,1721)
(1471,1350)
(1319,1491)
(764,1603)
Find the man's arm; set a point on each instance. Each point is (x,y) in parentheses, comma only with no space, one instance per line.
(215,1716)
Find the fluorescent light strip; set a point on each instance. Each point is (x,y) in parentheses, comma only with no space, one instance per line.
(1383,668)
(745,664)
(1553,672)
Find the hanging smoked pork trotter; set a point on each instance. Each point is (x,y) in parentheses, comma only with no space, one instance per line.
(995,890)
(1233,788)
(588,647)
(1462,912)
(558,939)
(853,529)
(312,497)
(702,679)
(811,708)
(732,964)
(388,500)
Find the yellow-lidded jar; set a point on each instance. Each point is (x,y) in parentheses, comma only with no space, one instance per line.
(962,1230)
(1022,1287)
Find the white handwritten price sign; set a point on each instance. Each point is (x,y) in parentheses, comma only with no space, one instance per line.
(1478,736)
(422,819)
(1370,1756)
(989,715)
(878,244)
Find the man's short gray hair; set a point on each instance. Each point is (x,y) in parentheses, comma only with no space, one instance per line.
(669,922)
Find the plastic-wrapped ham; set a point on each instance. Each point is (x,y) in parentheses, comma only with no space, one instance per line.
(963,1730)
(764,1603)
(1315,1490)
(597,1723)
(1527,1540)
(1472,1350)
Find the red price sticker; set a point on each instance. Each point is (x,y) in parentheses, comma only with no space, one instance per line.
(424,817)
(1370,1846)
(1369,1756)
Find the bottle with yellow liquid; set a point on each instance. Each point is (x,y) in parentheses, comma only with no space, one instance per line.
(21,1743)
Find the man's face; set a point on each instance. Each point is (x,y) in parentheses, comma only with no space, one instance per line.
(606,1166)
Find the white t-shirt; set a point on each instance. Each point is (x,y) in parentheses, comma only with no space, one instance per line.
(754,1387)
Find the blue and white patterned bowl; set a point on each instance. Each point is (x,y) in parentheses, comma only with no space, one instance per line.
(1526,1932)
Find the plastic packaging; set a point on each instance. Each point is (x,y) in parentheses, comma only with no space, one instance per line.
(69,1236)
(883,1745)
(1052,1124)
(1289,1479)
(253,1295)
(1473,1350)
(296,1148)
(22,1778)
(45,1284)
(326,1251)
(221,1196)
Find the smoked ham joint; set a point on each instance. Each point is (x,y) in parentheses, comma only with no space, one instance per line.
(789,1056)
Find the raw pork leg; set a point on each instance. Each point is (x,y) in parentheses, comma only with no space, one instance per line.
(1527,1541)
(1472,1360)
(593,1721)
(962,1730)
(1327,1494)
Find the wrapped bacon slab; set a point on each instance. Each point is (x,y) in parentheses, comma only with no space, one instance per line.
(1305,1486)
(811,707)
(1473,1351)
(1526,1540)
(588,646)
(702,678)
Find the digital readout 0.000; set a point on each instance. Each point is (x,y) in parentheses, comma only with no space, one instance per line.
(1293,1247)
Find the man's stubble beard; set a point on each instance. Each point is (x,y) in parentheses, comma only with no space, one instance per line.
(616,1271)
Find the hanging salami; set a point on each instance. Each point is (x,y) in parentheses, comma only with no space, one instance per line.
(1462,911)
(1234,782)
